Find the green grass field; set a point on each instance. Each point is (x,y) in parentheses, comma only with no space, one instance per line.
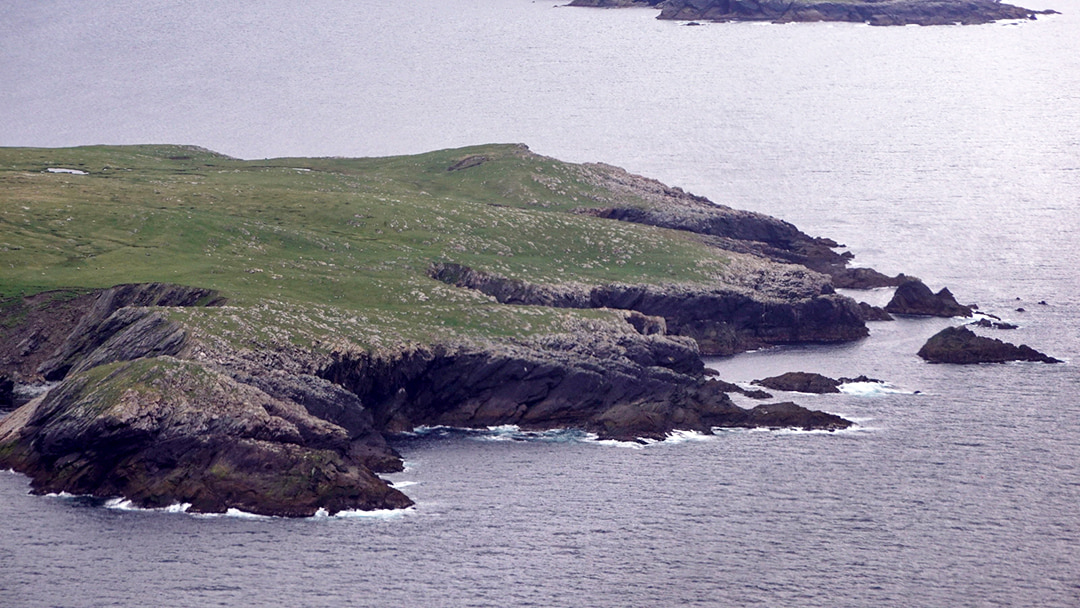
(315,247)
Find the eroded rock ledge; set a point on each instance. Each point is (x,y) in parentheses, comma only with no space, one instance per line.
(881,12)
(721,321)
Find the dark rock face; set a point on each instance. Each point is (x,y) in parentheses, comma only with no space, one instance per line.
(915,298)
(7,393)
(563,385)
(801,382)
(961,345)
(722,322)
(882,12)
(98,323)
(164,431)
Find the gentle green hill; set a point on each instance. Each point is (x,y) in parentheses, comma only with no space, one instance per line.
(338,244)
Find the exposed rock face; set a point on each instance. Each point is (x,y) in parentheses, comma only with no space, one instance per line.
(881,12)
(802,382)
(637,387)
(915,298)
(961,345)
(7,393)
(721,321)
(163,431)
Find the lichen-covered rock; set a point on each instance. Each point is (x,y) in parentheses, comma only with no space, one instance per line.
(961,345)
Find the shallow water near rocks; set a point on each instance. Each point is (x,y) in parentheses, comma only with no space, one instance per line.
(950,153)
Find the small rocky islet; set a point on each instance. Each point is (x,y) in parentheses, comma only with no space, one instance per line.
(873,12)
(283,318)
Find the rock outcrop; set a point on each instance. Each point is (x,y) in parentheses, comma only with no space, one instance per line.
(721,321)
(879,12)
(961,345)
(161,431)
(915,298)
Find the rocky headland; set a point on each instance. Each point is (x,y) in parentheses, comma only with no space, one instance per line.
(874,12)
(528,292)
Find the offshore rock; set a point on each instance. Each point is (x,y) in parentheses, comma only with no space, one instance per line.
(915,298)
(881,12)
(163,431)
(801,382)
(961,345)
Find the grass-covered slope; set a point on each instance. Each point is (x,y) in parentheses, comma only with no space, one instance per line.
(352,235)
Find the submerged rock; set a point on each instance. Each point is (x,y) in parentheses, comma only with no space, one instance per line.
(915,298)
(961,345)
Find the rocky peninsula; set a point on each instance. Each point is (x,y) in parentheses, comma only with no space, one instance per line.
(248,334)
(874,12)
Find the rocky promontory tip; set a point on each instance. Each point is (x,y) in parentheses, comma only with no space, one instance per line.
(874,12)
(961,345)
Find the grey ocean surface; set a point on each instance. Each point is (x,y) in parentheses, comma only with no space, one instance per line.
(950,153)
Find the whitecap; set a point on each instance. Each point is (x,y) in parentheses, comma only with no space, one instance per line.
(687,436)
(373,514)
(124,504)
(870,389)
(397,485)
(69,171)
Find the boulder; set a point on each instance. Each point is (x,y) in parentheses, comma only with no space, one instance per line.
(915,298)
(961,345)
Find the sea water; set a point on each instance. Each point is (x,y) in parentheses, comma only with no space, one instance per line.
(950,153)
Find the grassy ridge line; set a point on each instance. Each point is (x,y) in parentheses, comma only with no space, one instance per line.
(307,247)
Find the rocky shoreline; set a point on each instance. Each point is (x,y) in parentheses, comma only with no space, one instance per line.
(171,394)
(882,12)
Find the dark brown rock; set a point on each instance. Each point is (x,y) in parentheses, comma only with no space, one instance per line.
(915,298)
(802,382)
(961,345)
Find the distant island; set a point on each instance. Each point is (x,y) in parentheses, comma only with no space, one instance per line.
(874,12)
(247,334)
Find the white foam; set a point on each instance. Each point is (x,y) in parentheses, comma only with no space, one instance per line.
(870,389)
(687,436)
(357,513)
(397,485)
(70,171)
(123,504)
